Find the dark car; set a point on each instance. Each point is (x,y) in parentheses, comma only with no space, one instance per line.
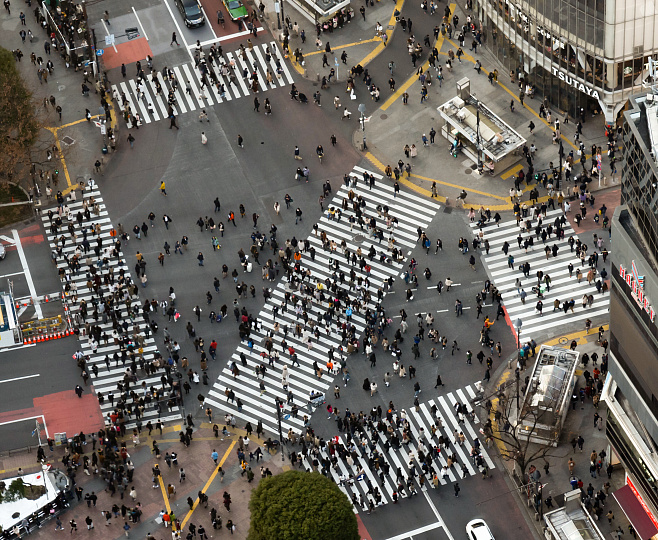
(191,12)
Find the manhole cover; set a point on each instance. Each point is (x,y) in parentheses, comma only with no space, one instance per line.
(384,116)
(469,171)
(68,140)
(447,209)
(358,238)
(315,84)
(563,340)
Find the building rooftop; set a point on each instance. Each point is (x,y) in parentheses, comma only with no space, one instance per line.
(497,139)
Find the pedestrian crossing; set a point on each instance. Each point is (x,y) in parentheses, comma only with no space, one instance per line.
(149,98)
(241,394)
(562,287)
(435,429)
(411,211)
(107,377)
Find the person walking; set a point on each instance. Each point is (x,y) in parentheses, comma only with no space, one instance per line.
(240,141)
(173,39)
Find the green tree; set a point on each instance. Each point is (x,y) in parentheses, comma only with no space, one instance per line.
(300,505)
(19,126)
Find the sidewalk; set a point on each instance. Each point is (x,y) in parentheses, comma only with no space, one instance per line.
(200,476)
(579,422)
(358,39)
(80,141)
(394,125)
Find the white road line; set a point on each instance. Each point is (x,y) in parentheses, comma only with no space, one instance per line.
(438,516)
(107,33)
(7,239)
(10,349)
(28,275)
(12,274)
(140,23)
(179,35)
(226,38)
(21,378)
(275,51)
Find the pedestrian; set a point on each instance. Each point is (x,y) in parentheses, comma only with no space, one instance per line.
(131,140)
(240,141)
(204,139)
(173,39)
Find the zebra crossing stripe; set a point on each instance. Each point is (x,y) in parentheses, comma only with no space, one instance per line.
(107,379)
(275,50)
(142,108)
(562,287)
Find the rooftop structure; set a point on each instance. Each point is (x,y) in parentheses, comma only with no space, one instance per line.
(546,400)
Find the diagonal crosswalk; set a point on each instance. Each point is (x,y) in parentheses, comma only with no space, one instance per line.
(434,439)
(120,344)
(226,83)
(349,457)
(411,211)
(562,287)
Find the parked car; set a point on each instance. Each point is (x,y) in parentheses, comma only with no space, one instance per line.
(191,12)
(477,529)
(236,9)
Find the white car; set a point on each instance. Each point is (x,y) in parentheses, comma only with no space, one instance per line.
(477,529)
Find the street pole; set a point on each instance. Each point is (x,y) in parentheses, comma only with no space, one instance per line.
(517,371)
(561,155)
(278,417)
(277,9)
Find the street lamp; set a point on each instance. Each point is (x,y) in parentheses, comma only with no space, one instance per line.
(518,324)
(362,109)
(561,155)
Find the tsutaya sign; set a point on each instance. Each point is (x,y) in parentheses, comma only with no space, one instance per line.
(572,81)
(636,282)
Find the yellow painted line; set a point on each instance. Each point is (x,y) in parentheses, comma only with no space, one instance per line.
(165,496)
(403,181)
(511,172)
(402,89)
(335,49)
(580,336)
(210,480)
(54,131)
(369,156)
(499,197)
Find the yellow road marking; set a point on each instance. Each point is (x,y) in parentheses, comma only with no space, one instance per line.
(335,49)
(165,497)
(511,172)
(578,336)
(437,44)
(378,164)
(205,488)
(54,131)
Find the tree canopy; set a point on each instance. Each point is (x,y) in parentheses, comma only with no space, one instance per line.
(297,505)
(19,127)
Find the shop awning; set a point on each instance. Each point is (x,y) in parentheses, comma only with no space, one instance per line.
(635,513)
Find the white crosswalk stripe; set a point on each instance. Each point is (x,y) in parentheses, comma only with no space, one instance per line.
(435,424)
(562,287)
(108,376)
(153,107)
(411,212)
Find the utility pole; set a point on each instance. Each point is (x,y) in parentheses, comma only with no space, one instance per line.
(279,405)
